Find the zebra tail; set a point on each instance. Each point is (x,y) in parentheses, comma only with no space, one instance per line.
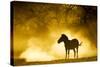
(80,44)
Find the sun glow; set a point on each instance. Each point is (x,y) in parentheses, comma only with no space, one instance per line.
(56,51)
(35,55)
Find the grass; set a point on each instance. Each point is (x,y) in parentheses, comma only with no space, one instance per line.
(20,62)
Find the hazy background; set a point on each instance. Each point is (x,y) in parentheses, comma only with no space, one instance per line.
(37,27)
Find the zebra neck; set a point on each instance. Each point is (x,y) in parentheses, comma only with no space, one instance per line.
(66,42)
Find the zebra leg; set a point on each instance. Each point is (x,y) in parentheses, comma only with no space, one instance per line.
(74,53)
(68,53)
(77,52)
